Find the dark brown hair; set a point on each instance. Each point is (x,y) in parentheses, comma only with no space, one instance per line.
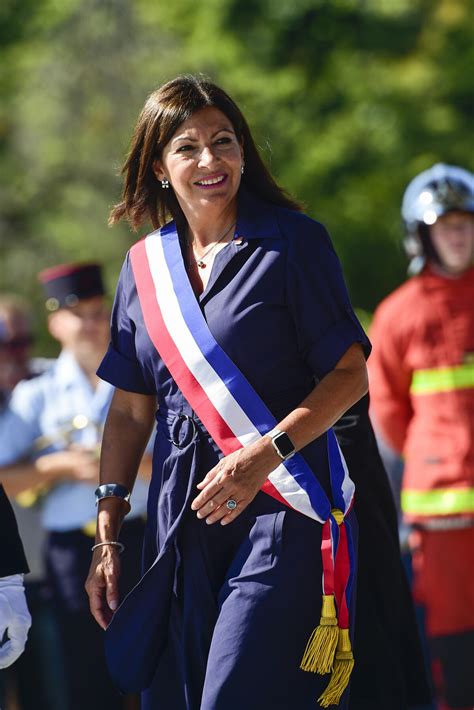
(165,110)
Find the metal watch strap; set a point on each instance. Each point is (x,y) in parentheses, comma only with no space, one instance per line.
(274,435)
(112,490)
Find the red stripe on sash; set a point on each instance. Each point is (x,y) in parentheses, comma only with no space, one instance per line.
(167,349)
(342,572)
(327,558)
(270,490)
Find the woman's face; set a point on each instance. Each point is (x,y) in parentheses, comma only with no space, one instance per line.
(203,161)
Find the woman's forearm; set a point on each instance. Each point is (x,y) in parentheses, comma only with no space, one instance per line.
(329,400)
(126,434)
(123,444)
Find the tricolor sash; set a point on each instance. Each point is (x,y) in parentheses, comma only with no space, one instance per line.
(234,415)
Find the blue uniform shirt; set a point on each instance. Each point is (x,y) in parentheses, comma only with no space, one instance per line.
(49,413)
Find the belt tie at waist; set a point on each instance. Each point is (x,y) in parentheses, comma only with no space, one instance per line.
(183,429)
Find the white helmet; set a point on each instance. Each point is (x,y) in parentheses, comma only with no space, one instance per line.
(432,193)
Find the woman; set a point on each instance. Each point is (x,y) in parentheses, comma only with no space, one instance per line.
(241,301)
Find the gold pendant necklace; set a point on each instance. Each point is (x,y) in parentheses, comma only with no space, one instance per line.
(200,260)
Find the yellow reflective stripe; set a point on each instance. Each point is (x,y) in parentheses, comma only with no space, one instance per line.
(441,501)
(443,379)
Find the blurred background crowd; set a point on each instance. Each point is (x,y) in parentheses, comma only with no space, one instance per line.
(348,99)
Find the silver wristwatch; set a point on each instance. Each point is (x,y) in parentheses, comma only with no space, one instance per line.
(282,444)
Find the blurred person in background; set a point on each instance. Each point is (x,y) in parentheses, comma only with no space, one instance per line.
(16,341)
(421,375)
(49,441)
(35,680)
(15,619)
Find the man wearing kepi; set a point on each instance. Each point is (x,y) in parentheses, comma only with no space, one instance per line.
(422,388)
(49,442)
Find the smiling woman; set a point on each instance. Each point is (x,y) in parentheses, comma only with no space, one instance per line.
(233,315)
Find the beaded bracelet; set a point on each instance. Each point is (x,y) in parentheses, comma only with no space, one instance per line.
(121,547)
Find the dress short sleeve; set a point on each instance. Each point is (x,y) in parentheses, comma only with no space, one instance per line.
(121,365)
(325,322)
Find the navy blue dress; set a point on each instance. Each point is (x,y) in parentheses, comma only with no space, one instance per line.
(223,616)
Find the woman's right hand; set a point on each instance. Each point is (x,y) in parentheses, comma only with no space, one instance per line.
(102,584)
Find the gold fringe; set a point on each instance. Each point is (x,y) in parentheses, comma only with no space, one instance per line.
(343,665)
(321,647)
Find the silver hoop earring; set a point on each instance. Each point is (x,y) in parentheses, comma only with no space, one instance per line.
(165,184)
(242,169)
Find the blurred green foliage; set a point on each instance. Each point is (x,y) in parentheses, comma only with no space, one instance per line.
(348,100)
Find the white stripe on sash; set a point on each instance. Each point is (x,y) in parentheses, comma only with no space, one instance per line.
(347,486)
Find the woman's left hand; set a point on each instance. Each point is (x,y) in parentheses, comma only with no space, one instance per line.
(238,476)
(102,584)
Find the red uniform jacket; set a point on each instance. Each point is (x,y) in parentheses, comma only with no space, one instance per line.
(421,375)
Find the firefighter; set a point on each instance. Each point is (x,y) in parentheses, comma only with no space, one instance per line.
(422,396)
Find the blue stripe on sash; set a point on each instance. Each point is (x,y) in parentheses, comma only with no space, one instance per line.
(337,471)
(334,535)
(351,549)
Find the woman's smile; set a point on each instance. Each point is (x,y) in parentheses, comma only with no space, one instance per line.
(212,181)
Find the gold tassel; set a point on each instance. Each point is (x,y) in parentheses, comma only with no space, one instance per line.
(321,647)
(343,665)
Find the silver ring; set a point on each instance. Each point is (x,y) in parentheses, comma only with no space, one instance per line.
(231,504)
